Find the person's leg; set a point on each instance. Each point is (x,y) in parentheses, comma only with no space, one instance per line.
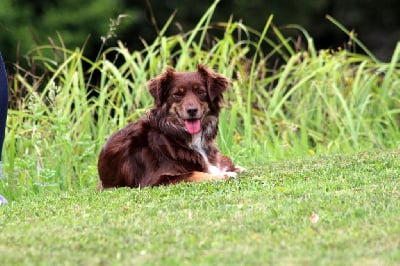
(3,112)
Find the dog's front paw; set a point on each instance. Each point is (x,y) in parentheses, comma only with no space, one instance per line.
(239,169)
(230,175)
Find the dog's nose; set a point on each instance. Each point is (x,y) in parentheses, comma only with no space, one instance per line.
(192,110)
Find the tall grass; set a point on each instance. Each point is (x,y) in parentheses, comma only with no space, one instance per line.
(318,102)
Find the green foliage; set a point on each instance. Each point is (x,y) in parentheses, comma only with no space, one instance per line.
(27,24)
(262,218)
(335,101)
(320,102)
(24,24)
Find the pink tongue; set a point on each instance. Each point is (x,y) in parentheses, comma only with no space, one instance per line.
(193,126)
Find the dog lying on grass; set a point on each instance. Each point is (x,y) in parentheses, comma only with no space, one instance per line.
(175,141)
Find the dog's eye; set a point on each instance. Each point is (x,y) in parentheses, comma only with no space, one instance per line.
(178,94)
(201,92)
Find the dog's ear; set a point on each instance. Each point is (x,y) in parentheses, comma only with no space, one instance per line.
(158,86)
(216,84)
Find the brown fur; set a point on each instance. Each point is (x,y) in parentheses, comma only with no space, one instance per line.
(159,148)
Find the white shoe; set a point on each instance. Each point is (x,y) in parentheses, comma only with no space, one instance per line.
(3,200)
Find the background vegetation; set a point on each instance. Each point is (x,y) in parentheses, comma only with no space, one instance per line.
(319,102)
(25,24)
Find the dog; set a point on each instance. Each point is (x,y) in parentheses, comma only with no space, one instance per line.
(175,140)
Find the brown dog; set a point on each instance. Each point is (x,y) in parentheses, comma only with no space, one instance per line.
(175,141)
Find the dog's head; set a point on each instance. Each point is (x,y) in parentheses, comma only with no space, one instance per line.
(189,98)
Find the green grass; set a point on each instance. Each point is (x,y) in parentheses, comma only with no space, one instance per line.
(317,105)
(260,218)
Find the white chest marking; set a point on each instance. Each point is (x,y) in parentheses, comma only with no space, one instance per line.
(197,146)
(211,169)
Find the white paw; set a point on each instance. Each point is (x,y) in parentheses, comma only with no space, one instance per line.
(239,169)
(231,174)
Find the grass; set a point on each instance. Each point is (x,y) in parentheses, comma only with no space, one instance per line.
(287,125)
(261,218)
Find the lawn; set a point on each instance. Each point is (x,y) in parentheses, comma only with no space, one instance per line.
(262,217)
(318,134)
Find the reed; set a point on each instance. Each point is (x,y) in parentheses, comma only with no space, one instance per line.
(317,102)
